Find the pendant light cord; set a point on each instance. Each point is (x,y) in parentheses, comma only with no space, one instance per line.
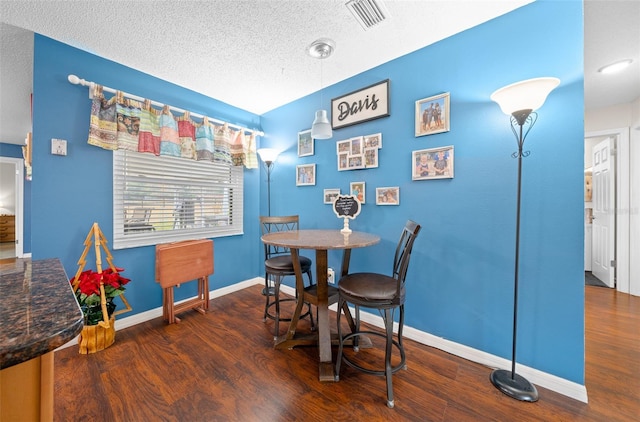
(321,97)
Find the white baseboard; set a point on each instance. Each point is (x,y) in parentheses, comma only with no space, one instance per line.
(551,382)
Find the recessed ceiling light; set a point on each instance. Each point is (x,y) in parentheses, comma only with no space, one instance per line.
(615,67)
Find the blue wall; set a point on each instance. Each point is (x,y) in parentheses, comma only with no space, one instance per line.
(70,193)
(15,151)
(460,282)
(461,278)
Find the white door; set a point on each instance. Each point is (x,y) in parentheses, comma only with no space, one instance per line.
(11,192)
(604,212)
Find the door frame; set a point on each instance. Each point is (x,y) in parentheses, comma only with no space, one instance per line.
(19,201)
(623,203)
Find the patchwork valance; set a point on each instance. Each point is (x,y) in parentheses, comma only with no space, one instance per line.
(126,123)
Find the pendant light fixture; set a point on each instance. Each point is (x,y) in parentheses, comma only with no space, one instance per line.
(321,49)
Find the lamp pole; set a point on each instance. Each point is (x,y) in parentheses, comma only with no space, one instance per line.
(269,164)
(268,157)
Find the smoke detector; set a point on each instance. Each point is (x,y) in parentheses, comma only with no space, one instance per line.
(368,13)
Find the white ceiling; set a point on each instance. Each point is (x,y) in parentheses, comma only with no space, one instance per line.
(252,54)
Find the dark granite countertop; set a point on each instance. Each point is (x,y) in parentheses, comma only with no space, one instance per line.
(38,310)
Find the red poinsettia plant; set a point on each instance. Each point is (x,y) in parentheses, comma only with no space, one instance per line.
(87,290)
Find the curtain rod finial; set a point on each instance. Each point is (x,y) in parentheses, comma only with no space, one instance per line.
(77,81)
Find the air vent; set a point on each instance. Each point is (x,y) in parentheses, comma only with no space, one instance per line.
(368,13)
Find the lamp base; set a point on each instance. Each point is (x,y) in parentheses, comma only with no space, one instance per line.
(515,386)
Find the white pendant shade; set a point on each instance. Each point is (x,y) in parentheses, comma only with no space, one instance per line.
(268,155)
(321,128)
(524,95)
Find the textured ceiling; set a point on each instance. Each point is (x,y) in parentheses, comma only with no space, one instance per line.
(612,33)
(252,54)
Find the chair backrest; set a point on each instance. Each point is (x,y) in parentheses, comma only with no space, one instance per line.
(277,224)
(403,252)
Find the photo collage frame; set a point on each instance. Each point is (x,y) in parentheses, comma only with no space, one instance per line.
(359,152)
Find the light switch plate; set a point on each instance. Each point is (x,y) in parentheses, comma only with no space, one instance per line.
(58,146)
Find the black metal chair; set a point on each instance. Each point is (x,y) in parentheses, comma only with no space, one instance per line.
(278,265)
(385,294)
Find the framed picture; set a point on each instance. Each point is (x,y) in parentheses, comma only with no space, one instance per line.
(355,162)
(432,115)
(330,195)
(388,196)
(306,175)
(434,163)
(370,157)
(356,145)
(343,162)
(343,147)
(371,102)
(357,190)
(305,143)
(373,141)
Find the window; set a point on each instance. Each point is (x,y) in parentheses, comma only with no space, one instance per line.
(167,199)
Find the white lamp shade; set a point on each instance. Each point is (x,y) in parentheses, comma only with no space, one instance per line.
(524,95)
(321,128)
(268,155)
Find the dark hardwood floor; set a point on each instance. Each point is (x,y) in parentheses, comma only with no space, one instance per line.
(222,367)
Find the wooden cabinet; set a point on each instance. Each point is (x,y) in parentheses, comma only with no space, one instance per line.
(7,228)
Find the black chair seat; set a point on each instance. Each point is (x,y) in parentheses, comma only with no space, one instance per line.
(369,287)
(283,263)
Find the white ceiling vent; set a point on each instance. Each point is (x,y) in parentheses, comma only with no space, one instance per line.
(368,13)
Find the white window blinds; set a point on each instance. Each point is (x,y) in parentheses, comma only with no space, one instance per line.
(167,199)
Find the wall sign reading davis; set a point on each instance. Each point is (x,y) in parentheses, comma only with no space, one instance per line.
(360,106)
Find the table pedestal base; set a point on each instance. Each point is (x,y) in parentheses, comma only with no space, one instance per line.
(326,369)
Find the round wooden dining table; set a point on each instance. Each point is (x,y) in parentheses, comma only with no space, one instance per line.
(320,241)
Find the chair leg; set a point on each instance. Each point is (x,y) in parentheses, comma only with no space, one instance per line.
(266,295)
(400,328)
(340,341)
(276,329)
(388,323)
(356,339)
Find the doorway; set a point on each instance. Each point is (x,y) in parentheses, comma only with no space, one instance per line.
(11,207)
(607,241)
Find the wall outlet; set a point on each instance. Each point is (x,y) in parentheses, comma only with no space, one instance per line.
(331,276)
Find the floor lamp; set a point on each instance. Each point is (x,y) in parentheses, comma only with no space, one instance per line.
(519,100)
(268,157)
